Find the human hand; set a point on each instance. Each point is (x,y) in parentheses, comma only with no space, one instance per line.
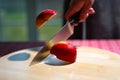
(77,5)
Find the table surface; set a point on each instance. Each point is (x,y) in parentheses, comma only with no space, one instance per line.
(91,63)
(111,45)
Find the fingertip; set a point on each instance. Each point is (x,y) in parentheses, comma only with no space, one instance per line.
(91,11)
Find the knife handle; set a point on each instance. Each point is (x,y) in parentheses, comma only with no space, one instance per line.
(75,18)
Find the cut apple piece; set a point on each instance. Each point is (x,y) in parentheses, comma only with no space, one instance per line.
(44,16)
(64,51)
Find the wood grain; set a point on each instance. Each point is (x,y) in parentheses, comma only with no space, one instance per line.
(91,64)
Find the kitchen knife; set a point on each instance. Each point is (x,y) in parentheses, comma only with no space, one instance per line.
(62,35)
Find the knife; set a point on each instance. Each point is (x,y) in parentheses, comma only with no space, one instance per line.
(62,35)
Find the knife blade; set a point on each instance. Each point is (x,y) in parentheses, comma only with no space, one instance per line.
(61,35)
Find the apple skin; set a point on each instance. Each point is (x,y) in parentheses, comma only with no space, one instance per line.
(64,51)
(44,16)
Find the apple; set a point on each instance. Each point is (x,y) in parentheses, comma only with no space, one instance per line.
(44,16)
(64,51)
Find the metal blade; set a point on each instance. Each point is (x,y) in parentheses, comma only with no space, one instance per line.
(62,35)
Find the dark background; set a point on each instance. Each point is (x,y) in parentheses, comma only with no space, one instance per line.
(104,24)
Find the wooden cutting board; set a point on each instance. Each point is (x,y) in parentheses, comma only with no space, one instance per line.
(91,64)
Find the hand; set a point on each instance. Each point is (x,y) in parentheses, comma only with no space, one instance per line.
(77,5)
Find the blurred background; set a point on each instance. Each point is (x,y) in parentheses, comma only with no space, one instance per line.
(17,20)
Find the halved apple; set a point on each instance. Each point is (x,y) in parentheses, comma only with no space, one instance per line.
(64,51)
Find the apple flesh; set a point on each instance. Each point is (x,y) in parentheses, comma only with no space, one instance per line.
(64,51)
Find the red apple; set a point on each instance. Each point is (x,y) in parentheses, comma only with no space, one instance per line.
(64,51)
(44,16)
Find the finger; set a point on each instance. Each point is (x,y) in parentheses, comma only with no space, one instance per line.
(85,10)
(85,17)
(70,12)
(91,11)
(74,7)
